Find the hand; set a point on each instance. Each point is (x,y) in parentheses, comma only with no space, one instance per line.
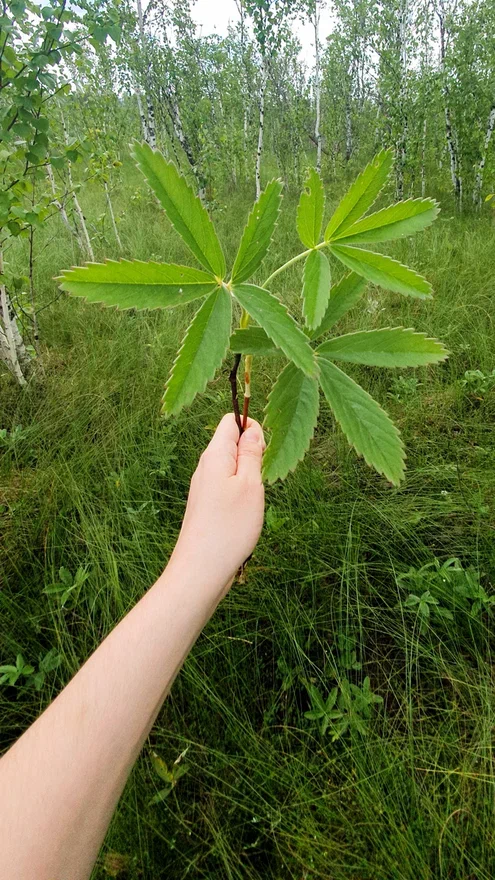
(224,513)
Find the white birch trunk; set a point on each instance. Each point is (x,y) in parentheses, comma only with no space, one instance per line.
(58,204)
(259,151)
(179,133)
(12,350)
(449,130)
(348,128)
(112,217)
(317,87)
(142,116)
(478,183)
(150,127)
(84,238)
(423,160)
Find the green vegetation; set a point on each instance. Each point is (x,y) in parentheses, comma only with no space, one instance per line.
(236,780)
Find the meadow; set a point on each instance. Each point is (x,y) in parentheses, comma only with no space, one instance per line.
(235,780)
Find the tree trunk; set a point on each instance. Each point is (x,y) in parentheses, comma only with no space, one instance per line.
(59,205)
(259,151)
(174,114)
(149,127)
(83,234)
(423,161)
(449,130)
(348,127)
(142,117)
(112,218)
(12,350)
(317,87)
(478,183)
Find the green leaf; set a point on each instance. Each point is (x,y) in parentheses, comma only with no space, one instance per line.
(290,415)
(258,233)
(361,195)
(183,208)
(136,285)
(202,352)
(405,218)
(365,424)
(269,312)
(383,271)
(317,281)
(253,340)
(389,347)
(343,296)
(310,209)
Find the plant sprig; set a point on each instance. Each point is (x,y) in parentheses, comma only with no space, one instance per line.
(293,404)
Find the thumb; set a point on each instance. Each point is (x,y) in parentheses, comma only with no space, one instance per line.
(250,451)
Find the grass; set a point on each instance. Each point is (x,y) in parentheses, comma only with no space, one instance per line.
(96,479)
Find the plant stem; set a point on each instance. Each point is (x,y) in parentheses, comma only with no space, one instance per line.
(233,385)
(291,262)
(248,365)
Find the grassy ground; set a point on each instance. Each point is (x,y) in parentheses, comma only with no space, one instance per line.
(95,479)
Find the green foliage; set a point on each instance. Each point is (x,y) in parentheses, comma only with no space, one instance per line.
(137,285)
(361,195)
(182,207)
(316,288)
(291,415)
(310,210)
(202,352)
(477,382)
(292,407)
(347,709)
(68,586)
(257,233)
(383,271)
(389,347)
(363,421)
(278,324)
(24,674)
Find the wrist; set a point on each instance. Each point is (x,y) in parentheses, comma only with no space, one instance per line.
(198,570)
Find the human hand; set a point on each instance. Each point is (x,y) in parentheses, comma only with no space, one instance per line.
(224,513)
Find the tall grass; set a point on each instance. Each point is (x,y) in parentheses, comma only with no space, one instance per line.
(97,479)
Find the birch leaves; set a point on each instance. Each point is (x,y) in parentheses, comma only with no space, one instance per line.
(294,400)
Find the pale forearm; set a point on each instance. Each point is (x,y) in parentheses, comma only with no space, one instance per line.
(63,778)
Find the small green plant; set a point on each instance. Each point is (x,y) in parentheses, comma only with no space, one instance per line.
(10,674)
(439,584)
(169,775)
(9,439)
(68,587)
(23,674)
(477,383)
(426,606)
(293,403)
(403,388)
(347,708)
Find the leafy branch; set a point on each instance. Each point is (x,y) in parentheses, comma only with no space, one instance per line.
(293,403)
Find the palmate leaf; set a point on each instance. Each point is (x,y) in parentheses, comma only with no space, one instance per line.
(253,340)
(291,415)
(183,208)
(202,352)
(136,285)
(343,296)
(383,271)
(310,209)
(258,233)
(273,317)
(365,424)
(317,281)
(389,347)
(361,195)
(405,218)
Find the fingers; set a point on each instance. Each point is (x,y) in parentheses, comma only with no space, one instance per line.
(250,451)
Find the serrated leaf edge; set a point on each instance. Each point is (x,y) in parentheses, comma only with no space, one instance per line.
(364,214)
(233,281)
(207,379)
(433,203)
(290,470)
(394,426)
(409,330)
(351,247)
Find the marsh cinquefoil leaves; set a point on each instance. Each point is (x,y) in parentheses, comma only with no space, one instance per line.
(293,403)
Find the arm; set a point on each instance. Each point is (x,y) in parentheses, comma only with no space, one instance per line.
(59,784)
